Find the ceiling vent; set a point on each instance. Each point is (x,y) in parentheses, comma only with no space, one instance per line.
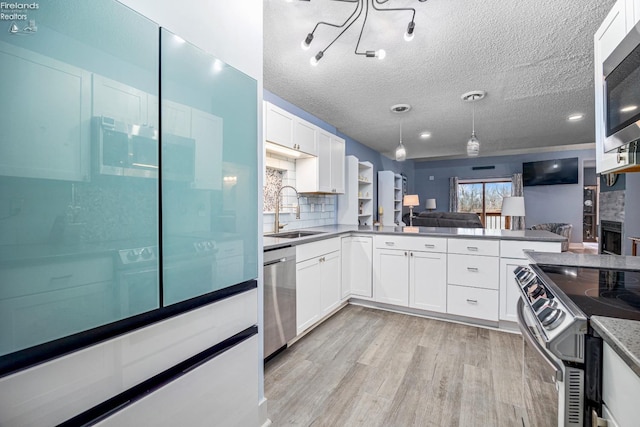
(400,108)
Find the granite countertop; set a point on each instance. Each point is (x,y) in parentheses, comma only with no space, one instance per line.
(623,336)
(328,231)
(570,259)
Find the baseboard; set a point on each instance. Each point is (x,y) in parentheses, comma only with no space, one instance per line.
(263,419)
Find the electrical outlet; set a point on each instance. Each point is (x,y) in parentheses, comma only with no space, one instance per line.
(16,206)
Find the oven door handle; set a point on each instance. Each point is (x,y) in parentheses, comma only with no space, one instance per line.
(526,334)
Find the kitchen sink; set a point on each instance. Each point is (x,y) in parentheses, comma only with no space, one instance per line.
(294,234)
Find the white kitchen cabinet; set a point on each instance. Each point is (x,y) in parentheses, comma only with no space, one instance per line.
(318,281)
(509,292)
(613,29)
(355,206)
(177,119)
(428,281)
(43,137)
(389,197)
(357,267)
(325,173)
(472,302)
(477,271)
(620,388)
(207,131)
(290,131)
(119,101)
(391,283)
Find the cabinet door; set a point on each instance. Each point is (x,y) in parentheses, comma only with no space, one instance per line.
(392,277)
(119,101)
(308,282)
(428,281)
(357,257)
(330,288)
(304,136)
(279,125)
(509,292)
(45,117)
(324,162)
(176,118)
(337,165)
(206,130)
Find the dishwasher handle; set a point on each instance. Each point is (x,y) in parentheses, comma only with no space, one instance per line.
(278,261)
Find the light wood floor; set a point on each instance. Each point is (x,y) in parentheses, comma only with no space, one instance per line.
(366,367)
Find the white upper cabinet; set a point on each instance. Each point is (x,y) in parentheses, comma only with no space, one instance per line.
(290,131)
(42,136)
(176,118)
(325,173)
(620,20)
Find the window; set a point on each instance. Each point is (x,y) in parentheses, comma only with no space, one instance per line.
(485,199)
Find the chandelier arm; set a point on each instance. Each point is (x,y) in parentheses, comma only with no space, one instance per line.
(366,13)
(329,24)
(347,27)
(384,9)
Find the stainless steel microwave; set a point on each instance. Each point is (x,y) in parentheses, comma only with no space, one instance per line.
(126,149)
(622,92)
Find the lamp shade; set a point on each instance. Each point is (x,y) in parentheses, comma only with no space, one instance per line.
(411,200)
(513,206)
(431,204)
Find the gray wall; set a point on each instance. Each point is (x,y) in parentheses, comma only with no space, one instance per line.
(632,210)
(548,203)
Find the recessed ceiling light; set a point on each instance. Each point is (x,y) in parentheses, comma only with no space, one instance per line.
(425,135)
(628,108)
(575,117)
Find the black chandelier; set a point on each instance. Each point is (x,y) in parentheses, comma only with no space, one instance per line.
(361,5)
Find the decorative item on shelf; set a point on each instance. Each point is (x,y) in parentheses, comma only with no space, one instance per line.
(411,200)
(360,6)
(361,208)
(513,206)
(473,145)
(431,205)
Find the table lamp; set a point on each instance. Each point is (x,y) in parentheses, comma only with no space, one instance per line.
(431,205)
(513,206)
(411,200)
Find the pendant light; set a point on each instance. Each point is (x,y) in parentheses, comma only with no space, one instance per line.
(473,145)
(401,152)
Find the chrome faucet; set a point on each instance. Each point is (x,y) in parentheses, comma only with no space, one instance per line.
(277,226)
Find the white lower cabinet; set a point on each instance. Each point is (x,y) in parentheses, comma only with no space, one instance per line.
(428,281)
(318,281)
(620,389)
(357,266)
(391,285)
(221,392)
(472,302)
(509,292)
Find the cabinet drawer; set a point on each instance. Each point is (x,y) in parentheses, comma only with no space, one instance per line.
(412,243)
(55,276)
(475,271)
(312,250)
(514,248)
(474,247)
(472,302)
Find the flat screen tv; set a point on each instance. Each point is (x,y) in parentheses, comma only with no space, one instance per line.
(550,172)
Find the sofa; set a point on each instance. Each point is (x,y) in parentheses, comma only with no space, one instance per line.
(560,228)
(445,219)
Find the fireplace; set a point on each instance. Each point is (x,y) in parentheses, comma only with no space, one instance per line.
(611,237)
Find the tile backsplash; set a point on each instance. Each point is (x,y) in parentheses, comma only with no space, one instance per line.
(315,209)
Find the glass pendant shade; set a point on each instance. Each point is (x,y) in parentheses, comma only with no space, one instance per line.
(401,153)
(473,146)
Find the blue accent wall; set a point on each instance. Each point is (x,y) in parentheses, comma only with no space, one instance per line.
(547,203)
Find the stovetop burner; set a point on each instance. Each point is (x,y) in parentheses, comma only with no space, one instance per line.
(599,292)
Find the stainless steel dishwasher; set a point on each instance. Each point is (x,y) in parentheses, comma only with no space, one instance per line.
(279,298)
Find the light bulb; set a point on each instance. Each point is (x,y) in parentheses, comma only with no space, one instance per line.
(401,153)
(306,43)
(314,60)
(408,35)
(381,54)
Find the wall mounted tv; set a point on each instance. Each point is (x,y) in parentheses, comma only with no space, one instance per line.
(550,172)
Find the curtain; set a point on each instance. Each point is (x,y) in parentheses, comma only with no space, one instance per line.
(453,194)
(517,222)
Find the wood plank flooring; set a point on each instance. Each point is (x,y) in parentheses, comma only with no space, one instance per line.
(367,367)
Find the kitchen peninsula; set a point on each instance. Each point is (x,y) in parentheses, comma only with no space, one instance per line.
(451,273)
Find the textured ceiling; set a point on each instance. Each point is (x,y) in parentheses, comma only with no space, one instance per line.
(534,58)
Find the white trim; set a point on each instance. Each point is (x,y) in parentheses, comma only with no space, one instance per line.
(481,180)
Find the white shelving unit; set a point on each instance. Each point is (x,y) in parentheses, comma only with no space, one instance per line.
(390,197)
(356,205)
